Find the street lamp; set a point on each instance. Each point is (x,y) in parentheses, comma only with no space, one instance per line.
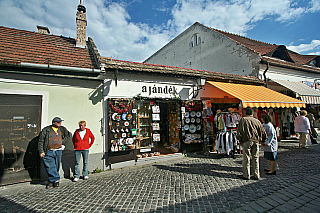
(201,81)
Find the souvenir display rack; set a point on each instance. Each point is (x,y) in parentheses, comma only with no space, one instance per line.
(148,117)
(122,130)
(192,122)
(174,127)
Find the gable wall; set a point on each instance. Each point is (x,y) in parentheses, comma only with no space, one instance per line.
(216,53)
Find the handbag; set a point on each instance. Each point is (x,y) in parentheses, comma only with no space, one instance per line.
(313,140)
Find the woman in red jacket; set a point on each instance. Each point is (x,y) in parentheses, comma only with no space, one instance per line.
(82,140)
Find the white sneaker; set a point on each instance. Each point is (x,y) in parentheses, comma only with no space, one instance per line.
(75,179)
(85,178)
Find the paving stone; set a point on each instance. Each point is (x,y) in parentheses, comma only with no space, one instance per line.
(308,210)
(271,202)
(192,184)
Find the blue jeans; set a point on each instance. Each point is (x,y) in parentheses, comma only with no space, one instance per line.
(78,154)
(52,161)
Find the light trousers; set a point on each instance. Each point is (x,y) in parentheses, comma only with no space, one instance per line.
(250,150)
(303,139)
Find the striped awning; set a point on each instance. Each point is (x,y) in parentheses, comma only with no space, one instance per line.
(306,93)
(258,96)
(310,99)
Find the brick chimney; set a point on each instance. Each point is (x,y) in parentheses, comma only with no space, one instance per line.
(43,30)
(81,21)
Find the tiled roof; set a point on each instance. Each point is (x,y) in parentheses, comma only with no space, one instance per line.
(266,49)
(279,62)
(21,46)
(258,46)
(301,59)
(155,68)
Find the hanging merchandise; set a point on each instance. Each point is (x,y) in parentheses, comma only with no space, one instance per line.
(121,124)
(226,143)
(192,105)
(121,106)
(192,123)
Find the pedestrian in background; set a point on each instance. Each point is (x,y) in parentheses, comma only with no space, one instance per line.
(270,146)
(82,140)
(311,118)
(250,133)
(302,126)
(51,143)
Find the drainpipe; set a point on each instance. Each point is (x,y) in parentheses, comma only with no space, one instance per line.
(264,73)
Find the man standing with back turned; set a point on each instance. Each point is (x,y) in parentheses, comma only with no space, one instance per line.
(250,133)
(51,143)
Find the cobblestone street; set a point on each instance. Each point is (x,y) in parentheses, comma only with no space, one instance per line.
(186,184)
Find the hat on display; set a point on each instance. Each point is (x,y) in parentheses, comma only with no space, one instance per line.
(56,119)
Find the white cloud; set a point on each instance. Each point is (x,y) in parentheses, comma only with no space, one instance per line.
(110,25)
(315,53)
(315,6)
(235,16)
(315,44)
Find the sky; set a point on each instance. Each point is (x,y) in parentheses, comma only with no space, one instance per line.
(135,29)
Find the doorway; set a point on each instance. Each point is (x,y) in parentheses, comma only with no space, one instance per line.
(20,124)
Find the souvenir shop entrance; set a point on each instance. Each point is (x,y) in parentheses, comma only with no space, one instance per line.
(152,127)
(226,101)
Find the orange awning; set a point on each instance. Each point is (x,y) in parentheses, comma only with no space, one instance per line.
(258,96)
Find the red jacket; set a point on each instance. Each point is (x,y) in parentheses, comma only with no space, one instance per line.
(80,144)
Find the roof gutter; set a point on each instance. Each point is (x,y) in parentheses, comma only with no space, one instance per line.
(290,67)
(62,68)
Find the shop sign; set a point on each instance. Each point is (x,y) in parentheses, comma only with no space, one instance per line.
(158,90)
(145,150)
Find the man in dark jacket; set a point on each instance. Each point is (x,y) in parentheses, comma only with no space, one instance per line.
(51,143)
(250,133)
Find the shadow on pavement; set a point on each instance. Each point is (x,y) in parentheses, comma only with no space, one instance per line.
(10,206)
(190,185)
(294,167)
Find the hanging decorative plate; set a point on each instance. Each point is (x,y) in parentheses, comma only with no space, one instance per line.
(192,113)
(186,114)
(126,123)
(198,127)
(114,115)
(193,128)
(186,127)
(130,140)
(198,114)
(198,120)
(134,122)
(118,117)
(193,136)
(124,116)
(187,120)
(193,120)
(199,136)
(124,135)
(129,134)
(116,135)
(129,117)
(118,124)
(188,136)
